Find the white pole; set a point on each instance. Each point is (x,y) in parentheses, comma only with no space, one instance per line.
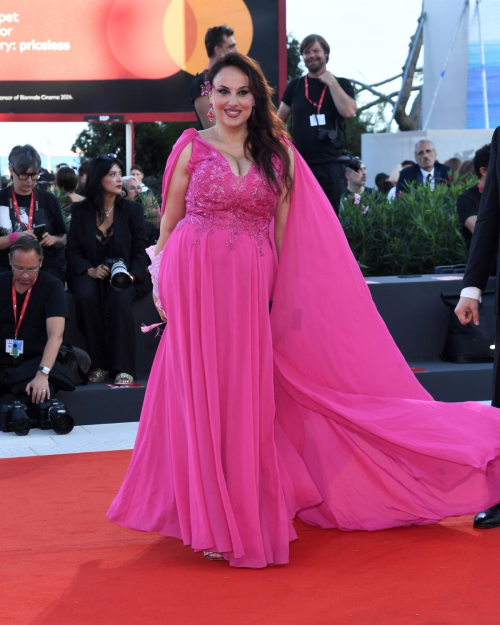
(441,76)
(48,154)
(483,68)
(128,146)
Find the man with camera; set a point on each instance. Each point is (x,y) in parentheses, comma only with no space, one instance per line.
(26,210)
(33,309)
(320,103)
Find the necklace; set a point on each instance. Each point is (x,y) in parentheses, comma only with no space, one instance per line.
(108,213)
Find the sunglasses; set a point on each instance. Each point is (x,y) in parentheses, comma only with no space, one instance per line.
(107,157)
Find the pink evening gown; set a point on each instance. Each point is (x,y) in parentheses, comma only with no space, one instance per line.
(250,419)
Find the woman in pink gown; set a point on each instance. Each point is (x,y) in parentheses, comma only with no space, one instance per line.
(249,418)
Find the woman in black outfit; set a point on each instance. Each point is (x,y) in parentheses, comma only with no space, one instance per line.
(105,226)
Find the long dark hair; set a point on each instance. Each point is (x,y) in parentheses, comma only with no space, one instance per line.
(266,132)
(94,193)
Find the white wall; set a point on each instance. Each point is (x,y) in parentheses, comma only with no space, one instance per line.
(450,109)
(383,151)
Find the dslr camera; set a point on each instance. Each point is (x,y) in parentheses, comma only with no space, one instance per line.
(47,415)
(120,277)
(348,160)
(327,135)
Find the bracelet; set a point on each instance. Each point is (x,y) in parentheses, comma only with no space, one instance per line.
(13,237)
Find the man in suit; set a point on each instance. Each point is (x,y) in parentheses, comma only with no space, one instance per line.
(426,171)
(483,251)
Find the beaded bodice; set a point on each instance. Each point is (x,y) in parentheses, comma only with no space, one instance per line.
(218,199)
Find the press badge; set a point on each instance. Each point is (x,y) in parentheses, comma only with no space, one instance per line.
(317,120)
(14,347)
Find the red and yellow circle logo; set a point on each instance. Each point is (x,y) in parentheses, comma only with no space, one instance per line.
(159,38)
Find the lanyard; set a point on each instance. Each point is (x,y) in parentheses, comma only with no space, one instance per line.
(18,215)
(23,309)
(319,104)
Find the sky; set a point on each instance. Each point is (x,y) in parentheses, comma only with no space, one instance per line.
(368,40)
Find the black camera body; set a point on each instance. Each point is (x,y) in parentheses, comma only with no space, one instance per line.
(48,415)
(327,135)
(348,160)
(120,278)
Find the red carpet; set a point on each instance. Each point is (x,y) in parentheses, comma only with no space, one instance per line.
(63,563)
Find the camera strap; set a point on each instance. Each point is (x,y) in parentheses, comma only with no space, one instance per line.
(14,207)
(319,104)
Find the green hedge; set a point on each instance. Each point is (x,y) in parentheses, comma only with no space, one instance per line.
(410,235)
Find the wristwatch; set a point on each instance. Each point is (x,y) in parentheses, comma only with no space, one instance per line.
(44,370)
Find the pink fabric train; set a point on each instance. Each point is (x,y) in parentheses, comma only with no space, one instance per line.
(248,421)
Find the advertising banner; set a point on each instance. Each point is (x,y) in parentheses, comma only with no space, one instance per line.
(484,65)
(127,57)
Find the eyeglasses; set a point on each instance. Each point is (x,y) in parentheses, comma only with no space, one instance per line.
(107,157)
(25,175)
(22,270)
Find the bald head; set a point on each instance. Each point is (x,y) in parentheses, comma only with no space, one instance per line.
(425,154)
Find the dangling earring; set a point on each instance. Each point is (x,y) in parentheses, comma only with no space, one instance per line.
(253,113)
(210,113)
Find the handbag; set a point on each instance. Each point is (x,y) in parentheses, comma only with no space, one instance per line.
(470,343)
(76,360)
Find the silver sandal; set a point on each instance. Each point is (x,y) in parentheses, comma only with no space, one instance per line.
(214,555)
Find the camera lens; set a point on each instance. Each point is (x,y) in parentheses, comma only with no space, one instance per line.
(21,423)
(60,420)
(120,277)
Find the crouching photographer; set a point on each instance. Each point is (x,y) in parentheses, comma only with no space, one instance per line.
(33,310)
(107,270)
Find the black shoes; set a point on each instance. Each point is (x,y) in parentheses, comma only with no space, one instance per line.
(488,519)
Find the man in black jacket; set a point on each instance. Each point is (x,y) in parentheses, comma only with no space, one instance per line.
(482,253)
(426,171)
(468,201)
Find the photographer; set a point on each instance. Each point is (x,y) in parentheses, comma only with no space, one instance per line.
(105,228)
(29,211)
(33,309)
(320,103)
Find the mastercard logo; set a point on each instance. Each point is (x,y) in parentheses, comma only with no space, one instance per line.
(166,36)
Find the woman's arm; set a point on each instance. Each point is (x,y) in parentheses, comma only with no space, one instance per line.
(56,229)
(175,205)
(281,214)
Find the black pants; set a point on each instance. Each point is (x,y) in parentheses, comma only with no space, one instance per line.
(10,376)
(331,177)
(104,317)
(496,367)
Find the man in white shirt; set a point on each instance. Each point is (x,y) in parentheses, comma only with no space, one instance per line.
(483,251)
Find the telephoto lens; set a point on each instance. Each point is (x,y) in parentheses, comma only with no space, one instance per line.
(120,277)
